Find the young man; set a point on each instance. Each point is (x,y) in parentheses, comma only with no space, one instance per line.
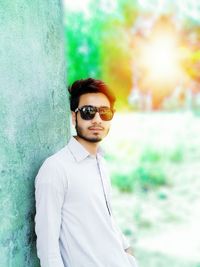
(74,221)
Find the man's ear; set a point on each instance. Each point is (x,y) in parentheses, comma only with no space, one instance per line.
(73,118)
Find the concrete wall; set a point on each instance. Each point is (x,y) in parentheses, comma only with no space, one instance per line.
(33,116)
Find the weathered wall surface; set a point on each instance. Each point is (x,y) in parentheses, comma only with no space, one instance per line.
(33,116)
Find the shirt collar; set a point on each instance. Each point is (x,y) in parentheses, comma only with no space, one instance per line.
(79,152)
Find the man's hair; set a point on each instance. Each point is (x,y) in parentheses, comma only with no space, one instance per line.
(85,86)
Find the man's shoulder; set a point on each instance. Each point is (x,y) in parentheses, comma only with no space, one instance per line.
(59,155)
(54,167)
(57,159)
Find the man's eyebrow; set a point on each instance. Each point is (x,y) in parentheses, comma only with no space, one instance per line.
(104,107)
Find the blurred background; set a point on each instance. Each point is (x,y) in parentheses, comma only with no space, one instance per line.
(148,52)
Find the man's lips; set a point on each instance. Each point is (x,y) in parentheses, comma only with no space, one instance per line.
(96,128)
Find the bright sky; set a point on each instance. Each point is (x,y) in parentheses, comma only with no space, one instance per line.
(160,56)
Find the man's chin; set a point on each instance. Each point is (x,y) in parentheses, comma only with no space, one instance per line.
(94,139)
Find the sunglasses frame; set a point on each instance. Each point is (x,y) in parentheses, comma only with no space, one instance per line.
(97,109)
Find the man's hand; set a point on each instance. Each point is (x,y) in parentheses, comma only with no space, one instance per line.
(129,251)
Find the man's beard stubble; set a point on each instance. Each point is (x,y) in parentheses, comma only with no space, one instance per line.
(80,134)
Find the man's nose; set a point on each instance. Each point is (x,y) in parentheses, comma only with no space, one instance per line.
(97,118)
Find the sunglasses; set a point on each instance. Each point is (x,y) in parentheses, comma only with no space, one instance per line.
(88,112)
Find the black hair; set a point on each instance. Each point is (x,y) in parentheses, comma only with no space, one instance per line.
(85,86)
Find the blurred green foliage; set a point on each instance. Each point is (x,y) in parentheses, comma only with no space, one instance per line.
(98,44)
(151,155)
(103,43)
(145,176)
(123,181)
(148,176)
(177,155)
(147,173)
(82,47)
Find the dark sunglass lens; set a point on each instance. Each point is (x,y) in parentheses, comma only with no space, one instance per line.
(87,112)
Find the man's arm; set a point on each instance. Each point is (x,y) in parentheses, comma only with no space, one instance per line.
(49,196)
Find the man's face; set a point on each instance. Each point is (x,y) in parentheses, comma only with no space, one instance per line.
(96,129)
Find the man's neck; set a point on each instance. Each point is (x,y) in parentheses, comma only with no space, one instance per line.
(91,147)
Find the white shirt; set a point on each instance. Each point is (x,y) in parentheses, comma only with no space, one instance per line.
(74,222)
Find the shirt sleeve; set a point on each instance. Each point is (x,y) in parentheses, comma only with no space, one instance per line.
(49,195)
